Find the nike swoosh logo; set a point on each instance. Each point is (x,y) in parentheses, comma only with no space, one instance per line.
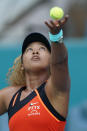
(31,104)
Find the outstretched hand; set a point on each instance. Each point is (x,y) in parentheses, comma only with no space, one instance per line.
(56,25)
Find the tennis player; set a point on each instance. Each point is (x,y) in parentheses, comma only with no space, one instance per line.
(38,96)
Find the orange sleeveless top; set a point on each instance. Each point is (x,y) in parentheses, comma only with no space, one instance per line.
(34,113)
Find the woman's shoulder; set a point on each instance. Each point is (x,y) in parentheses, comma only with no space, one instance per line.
(8,93)
(11,89)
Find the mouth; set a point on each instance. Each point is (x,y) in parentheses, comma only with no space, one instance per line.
(35,58)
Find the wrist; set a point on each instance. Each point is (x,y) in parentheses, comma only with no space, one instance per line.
(58,38)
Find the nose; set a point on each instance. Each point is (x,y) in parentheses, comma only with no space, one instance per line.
(35,52)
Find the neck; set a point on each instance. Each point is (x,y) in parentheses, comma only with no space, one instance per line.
(34,80)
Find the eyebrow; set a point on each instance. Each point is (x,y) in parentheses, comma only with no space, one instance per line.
(40,45)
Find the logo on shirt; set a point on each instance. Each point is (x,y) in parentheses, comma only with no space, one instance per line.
(34,109)
(31,104)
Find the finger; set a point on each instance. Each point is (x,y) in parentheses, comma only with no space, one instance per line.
(60,23)
(48,25)
(53,24)
(57,23)
(67,16)
(65,19)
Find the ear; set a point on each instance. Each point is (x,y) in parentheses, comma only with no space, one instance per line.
(22,67)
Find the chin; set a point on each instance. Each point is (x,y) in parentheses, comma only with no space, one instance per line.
(38,67)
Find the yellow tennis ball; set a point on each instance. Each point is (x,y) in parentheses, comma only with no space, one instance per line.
(56,13)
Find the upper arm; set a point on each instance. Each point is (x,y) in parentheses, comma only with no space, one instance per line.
(6,95)
(2,102)
(58,87)
(60,76)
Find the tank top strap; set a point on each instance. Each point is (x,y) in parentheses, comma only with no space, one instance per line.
(16,98)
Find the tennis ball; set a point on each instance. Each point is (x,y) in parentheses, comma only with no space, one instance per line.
(56,13)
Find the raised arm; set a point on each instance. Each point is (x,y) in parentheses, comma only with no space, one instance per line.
(58,91)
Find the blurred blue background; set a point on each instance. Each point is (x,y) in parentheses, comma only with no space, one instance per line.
(27,16)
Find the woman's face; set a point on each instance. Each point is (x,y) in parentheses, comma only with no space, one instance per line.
(36,57)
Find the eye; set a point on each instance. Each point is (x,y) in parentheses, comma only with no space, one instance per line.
(42,48)
(29,49)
